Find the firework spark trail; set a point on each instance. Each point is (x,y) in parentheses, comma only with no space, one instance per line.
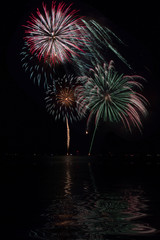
(111,96)
(68,136)
(55,37)
(99,41)
(102,39)
(107,38)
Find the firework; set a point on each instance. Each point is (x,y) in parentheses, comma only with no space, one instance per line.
(103,43)
(39,72)
(61,102)
(100,43)
(60,36)
(111,96)
(55,36)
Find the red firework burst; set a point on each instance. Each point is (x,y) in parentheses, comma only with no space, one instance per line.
(55,36)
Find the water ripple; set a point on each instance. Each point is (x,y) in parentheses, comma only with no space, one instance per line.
(95,214)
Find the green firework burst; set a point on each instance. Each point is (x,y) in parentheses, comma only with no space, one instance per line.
(111,96)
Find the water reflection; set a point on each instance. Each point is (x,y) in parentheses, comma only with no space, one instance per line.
(68,180)
(85,212)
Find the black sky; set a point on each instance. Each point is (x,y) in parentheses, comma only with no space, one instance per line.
(25,126)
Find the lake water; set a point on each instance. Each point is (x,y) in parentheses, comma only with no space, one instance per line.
(79,198)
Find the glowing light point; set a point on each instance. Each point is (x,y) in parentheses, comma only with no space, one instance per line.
(107,98)
(53,35)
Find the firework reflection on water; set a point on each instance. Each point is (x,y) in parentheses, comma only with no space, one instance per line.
(86,211)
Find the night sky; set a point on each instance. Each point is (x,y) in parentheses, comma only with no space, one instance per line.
(25,125)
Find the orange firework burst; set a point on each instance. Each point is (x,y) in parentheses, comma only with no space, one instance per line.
(66,97)
(61,102)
